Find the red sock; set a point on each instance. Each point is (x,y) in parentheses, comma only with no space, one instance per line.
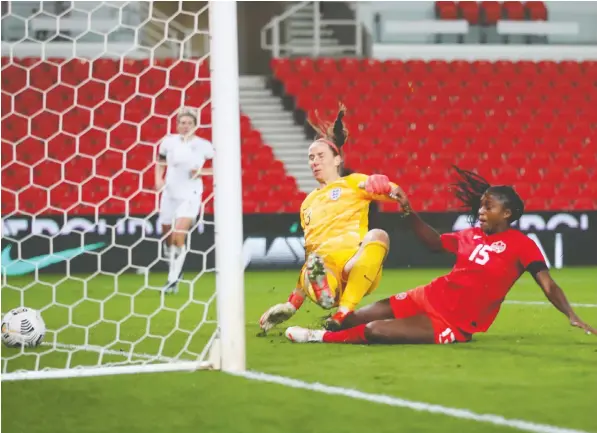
(354,335)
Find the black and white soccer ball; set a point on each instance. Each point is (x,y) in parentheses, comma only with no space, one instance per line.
(23,327)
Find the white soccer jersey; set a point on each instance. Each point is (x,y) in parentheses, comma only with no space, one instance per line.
(182,159)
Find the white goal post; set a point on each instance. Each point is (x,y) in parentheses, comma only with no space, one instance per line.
(228,187)
(109,321)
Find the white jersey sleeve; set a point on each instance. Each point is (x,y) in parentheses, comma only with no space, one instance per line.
(202,151)
(208,150)
(165,146)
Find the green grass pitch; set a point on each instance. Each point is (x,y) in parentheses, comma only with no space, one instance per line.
(531,365)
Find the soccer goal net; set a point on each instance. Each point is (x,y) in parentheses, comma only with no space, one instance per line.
(89,90)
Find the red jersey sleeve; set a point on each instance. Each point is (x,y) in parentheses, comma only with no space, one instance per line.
(529,252)
(450,241)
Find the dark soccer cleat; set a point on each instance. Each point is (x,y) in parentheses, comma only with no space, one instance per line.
(334,323)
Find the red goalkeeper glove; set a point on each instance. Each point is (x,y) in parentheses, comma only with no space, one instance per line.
(378,184)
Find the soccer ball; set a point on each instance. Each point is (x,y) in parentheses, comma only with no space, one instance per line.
(23,327)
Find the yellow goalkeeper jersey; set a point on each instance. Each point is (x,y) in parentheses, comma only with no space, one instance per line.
(335,217)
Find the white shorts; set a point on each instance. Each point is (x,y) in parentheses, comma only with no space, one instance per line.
(173,208)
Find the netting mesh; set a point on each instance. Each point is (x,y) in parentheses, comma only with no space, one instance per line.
(88,91)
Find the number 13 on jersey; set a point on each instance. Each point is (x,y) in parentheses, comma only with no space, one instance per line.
(480,254)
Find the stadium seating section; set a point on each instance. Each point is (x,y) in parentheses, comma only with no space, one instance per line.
(87,144)
(488,13)
(530,124)
(98,128)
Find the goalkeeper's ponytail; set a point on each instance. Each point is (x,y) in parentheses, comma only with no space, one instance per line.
(333,134)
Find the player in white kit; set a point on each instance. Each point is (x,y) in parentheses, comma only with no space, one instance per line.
(181,157)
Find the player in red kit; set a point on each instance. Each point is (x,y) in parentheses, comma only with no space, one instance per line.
(489,260)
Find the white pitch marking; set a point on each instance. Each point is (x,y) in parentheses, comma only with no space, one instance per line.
(548,303)
(399,402)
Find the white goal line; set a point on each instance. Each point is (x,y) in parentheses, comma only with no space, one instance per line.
(141,363)
(408,404)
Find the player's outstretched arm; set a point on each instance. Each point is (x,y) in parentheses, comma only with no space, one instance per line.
(556,296)
(427,234)
(379,185)
(282,312)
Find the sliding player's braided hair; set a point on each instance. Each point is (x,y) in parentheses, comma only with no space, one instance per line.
(470,188)
(334,134)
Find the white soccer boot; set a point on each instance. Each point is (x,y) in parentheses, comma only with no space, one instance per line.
(170,288)
(298,334)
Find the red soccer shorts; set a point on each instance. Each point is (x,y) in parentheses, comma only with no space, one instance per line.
(414,302)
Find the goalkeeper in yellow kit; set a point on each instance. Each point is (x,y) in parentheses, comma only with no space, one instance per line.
(343,258)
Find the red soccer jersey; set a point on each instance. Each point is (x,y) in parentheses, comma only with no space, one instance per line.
(487,266)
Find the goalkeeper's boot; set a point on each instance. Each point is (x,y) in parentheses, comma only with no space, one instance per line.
(297,334)
(319,281)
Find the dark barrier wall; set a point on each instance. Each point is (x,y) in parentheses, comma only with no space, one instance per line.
(114,244)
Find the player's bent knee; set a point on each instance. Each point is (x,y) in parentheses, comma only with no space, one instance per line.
(380,310)
(377,235)
(374,333)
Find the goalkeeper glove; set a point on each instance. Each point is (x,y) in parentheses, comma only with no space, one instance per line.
(378,184)
(275,315)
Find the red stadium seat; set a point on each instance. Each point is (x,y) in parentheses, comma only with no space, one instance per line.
(326,66)
(536,10)
(470,11)
(579,175)
(555,174)
(516,159)
(514,10)
(446,10)
(589,189)
(508,174)
(282,68)
(561,203)
(569,189)
(584,204)
(535,204)
(29,102)
(586,159)
(532,174)
(491,12)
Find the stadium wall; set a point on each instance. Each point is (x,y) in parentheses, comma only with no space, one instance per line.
(471,52)
(120,244)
